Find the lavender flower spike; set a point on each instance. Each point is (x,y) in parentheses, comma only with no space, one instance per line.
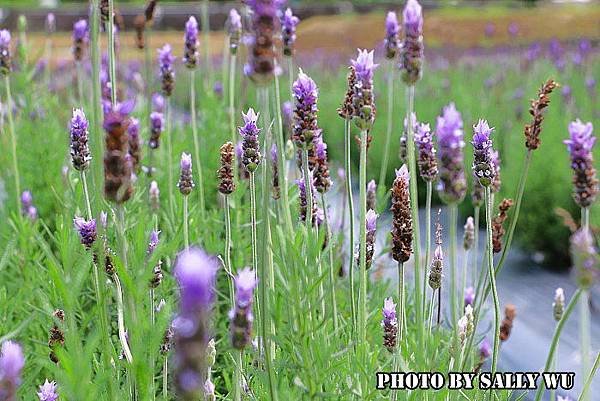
(371,195)
(48,391)
(304,127)
(402,229)
(483,165)
(27,207)
(5,58)
(261,64)
(584,257)
(11,364)
(234,28)
(363,98)
(86,230)
(80,38)
(167,74)
(392,29)
(195,273)
(190,57)
(469,296)
(389,324)
(251,156)
(428,169)
(288,31)
(580,143)
(558,306)
(241,316)
(186,181)
(80,151)
(157,122)
(411,59)
(321,165)
(153,243)
(449,130)
(371,223)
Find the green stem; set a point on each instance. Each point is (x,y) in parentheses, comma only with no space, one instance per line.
(13,138)
(492,274)
(237,379)
(97,139)
(554,366)
(165,378)
(401,305)
(414,205)
(475,251)
(228,246)
(350,197)
(362,205)
(186,235)
(282,165)
(290,61)
(169,135)
(253,221)
(111,53)
(206,39)
(555,338)
(120,320)
(80,83)
(427,242)
(453,300)
(588,381)
(196,142)
(390,123)
(266,274)
(330,246)
(86,195)
(232,114)
(584,331)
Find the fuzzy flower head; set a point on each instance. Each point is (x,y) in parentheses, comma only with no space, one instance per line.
(190,58)
(153,242)
(305,90)
(80,31)
(80,151)
(304,127)
(167,73)
(251,156)
(483,164)
(245,283)
(392,29)
(241,317)
(5,58)
(288,31)
(11,363)
(412,16)
(449,131)
(186,181)
(364,65)
(234,29)
(428,169)
(580,143)
(558,306)
(195,273)
(86,230)
(485,349)
(584,257)
(48,391)
(165,57)
(389,323)
(158,102)
(371,220)
(469,296)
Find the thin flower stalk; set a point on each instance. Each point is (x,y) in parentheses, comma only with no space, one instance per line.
(557,332)
(350,198)
(13,138)
(330,251)
(588,381)
(196,142)
(492,278)
(111,53)
(390,122)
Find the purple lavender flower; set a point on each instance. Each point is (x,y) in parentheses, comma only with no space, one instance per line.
(513,29)
(392,29)
(5,58)
(167,73)
(50,23)
(241,317)
(490,29)
(190,52)
(584,257)
(218,89)
(469,234)
(485,349)
(86,230)
(195,272)
(321,165)
(103,219)
(363,98)
(80,151)
(590,85)
(371,224)
(371,195)
(209,390)
(261,63)
(389,324)
(411,58)
(157,122)
(234,29)
(580,143)
(158,102)
(154,196)
(452,186)
(427,162)
(48,391)
(469,296)
(80,38)
(436,267)
(305,127)
(303,199)
(288,31)
(287,111)
(133,136)
(11,364)
(27,208)
(153,243)
(186,180)
(251,156)
(483,165)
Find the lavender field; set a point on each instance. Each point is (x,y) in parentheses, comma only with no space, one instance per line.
(265,212)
